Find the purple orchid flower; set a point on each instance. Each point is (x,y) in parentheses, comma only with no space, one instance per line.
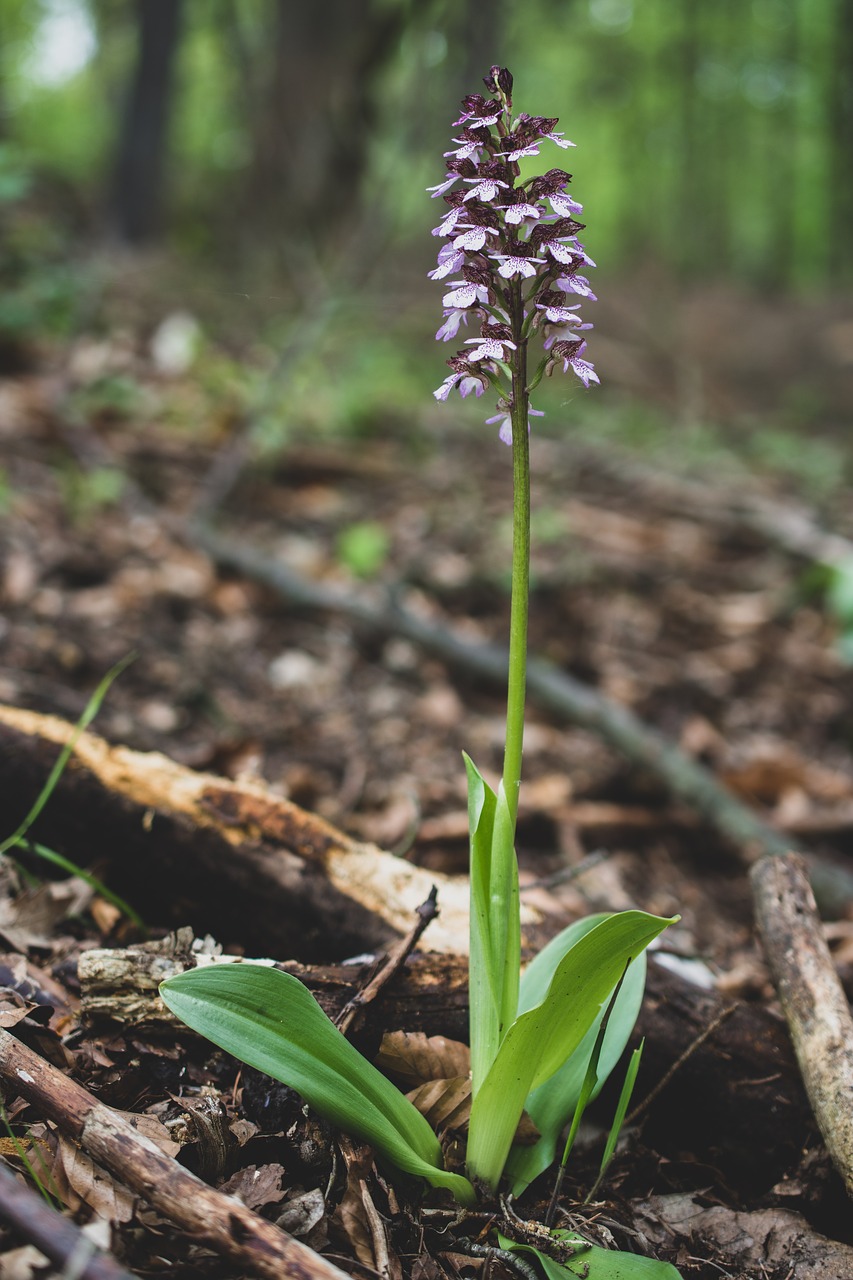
(512,247)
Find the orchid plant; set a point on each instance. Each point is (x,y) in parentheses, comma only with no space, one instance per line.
(543,1041)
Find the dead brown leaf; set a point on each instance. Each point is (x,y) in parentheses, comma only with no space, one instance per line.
(91,1184)
(29,919)
(303,1215)
(414,1058)
(446,1104)
(366,1229)
(13,1007)
(256,1185)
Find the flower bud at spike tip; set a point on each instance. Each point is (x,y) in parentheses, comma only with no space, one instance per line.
(511,261)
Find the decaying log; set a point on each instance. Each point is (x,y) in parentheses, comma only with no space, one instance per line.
(220,1221)
(233,859)
(812,998)
(429,994)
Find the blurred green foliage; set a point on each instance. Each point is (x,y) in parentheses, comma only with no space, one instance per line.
(712,137)
(363,548)
(39,288)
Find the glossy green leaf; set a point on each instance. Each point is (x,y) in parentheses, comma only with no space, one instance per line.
(495,941)
(552,1103)
(505,912)
(542,1038)
(593,1263)
(483,995)
(269,1020)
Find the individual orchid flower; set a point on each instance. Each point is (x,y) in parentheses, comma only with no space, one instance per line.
(505,419)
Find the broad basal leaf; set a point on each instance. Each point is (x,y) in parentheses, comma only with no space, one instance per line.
(554,1102)
(484,987)
(542,1038)
(269,1020)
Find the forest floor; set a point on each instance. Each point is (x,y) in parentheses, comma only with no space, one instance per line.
(705,628)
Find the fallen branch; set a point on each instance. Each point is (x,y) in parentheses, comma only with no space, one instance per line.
(233,854)
(54,1235)
(220,1221)
(389,966)
(812,998)
(558,692)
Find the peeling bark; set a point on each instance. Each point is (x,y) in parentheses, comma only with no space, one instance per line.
(233,859)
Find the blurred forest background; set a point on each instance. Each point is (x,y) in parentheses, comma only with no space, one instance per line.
(242,185)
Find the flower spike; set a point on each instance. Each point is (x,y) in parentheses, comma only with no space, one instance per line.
(513,249)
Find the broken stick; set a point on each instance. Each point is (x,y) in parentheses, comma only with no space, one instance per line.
(57,1237)
(220,1221)
(812,998)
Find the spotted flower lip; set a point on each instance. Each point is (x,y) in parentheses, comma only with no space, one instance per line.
(575,284)
(465,294)
(452,321)
(467,382)
(473,238)
(516,265)
(517,213)
(490,348)
(510,259)
(560,315)
(485,190)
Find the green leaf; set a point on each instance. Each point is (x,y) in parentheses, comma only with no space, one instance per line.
(269,1020)
(551,1105)
(619,1116)
(505,913)
(91,709)
(495,941)
(593,1263)
(18,838)
(542,1038)
(484,995)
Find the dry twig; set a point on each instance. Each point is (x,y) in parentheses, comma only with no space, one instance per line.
(54,1235)
(218,1220)
(812,997)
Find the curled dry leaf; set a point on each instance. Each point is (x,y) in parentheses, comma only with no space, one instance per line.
(366,1229)
(13,1008)
(446,1104)
(413,1058)
(94,1186)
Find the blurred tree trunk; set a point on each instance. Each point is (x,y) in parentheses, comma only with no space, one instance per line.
(139,166)
(313,120)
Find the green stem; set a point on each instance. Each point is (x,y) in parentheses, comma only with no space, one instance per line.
(520,561)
